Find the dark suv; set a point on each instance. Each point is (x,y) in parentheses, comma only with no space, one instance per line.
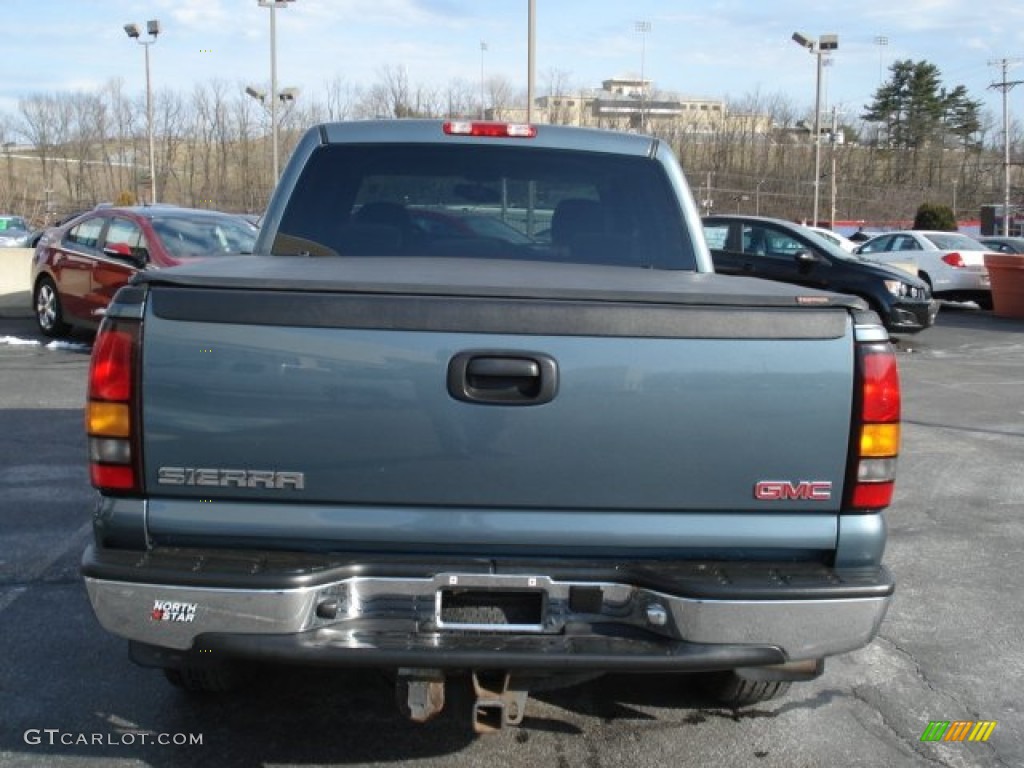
(756,246)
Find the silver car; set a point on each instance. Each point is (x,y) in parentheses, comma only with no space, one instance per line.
(951,263)
(14,232)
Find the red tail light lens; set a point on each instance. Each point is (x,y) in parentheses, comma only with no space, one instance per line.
(877,428)
(492,130)
(881,385)
(111,365)
(954,260)
(110,412)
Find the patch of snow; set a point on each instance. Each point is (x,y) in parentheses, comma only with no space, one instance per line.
(73,346)
(14,341)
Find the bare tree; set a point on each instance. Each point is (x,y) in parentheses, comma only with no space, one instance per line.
(37,118)
(342,97)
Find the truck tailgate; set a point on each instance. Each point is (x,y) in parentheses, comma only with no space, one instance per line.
(347,396)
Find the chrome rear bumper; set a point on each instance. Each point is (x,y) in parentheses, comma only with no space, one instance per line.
(502,619)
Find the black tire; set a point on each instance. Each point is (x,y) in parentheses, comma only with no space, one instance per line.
(194,679)
(730,690)
(984,300)
(48,311)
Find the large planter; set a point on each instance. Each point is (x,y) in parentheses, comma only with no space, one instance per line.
(1006,271)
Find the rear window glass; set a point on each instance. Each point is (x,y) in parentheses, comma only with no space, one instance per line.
(474,201)
(954,242)
(204,235)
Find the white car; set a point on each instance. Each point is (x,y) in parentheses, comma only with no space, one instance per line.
(951,263)
(835,238)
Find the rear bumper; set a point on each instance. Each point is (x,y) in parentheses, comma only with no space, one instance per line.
(633,616)
(967,279)
(911,317)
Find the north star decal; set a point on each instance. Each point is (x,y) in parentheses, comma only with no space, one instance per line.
(783,490)
(231,478)
(166,610)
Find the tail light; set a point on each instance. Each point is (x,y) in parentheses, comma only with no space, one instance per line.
(111,413)
(954,260)
(876,428)
(491,130)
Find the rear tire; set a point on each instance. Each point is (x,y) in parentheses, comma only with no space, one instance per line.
(194,679)
(730,690)
(49,313)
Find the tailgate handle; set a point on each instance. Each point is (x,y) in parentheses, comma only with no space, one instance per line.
(503,377)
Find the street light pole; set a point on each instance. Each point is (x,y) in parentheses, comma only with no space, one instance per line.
(273,5)
(531,35)
(881,41)
(8,146)
(816,46)
(642,27)
(152,29)
(483,49)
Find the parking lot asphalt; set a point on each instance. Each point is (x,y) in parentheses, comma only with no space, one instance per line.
(951,647)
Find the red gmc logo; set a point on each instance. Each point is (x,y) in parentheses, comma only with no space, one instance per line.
(783,490)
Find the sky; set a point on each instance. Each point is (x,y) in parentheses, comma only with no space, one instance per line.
(720,49)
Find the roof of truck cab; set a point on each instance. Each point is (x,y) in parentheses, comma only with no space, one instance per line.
(432,131)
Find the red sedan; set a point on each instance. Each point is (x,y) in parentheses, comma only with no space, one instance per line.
(79,266)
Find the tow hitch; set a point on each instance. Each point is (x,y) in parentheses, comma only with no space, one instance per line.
(420,693)
(499,699)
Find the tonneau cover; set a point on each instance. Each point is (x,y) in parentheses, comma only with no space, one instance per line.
(490,278)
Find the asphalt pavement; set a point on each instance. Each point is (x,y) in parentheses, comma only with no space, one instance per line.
(951,647)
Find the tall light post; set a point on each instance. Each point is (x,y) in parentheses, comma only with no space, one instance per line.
(483,50)
(881,41)
(817,46)
(8,146)
(152,29)
(642,28)
(531,49)
(273,5)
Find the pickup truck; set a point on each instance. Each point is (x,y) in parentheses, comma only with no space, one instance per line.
(525,451)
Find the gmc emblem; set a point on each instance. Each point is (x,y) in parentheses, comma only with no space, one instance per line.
(783,490)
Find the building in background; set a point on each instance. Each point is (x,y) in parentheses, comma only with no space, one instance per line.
(631,104)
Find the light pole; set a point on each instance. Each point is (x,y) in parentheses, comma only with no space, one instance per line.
(152,29)
(531,45)
(483,50)
(8,146)
(285,95)
(816,46)
(881,41)
(273,5)
(642,28)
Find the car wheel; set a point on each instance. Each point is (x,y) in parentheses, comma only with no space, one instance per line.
(49,315)
(984,299)
(928,280)
(730,690)
(219,678)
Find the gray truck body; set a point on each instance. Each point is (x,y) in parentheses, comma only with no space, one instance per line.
(488,463)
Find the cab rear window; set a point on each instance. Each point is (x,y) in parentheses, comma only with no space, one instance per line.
(485,202)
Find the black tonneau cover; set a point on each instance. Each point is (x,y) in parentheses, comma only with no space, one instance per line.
(497,278)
